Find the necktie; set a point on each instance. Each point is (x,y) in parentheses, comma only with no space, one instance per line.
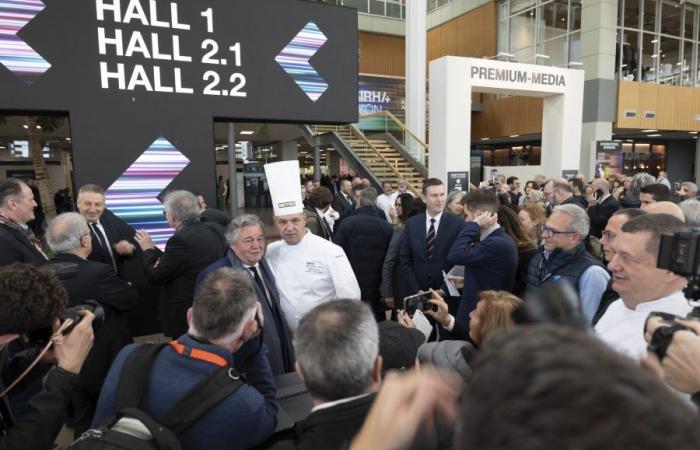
(430,240)
(259,282)
(103,243)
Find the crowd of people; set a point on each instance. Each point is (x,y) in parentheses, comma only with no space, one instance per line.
(334,300)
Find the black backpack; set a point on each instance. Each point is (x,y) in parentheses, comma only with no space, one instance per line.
(163,430)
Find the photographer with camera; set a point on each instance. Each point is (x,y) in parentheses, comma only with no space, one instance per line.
(32,299)
(69,237)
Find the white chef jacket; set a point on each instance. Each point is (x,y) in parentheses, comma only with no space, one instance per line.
(310,273)
(623,328)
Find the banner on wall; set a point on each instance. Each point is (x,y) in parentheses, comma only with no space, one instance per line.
(608,158)
(458,181)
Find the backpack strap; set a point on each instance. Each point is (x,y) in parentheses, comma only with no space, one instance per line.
(164,438)
(134,376)
(201,398)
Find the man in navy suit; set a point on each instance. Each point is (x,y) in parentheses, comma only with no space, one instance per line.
(246,252)
(488,254)
(427,239)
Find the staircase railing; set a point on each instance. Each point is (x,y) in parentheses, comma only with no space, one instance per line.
(387,122)
(357,132)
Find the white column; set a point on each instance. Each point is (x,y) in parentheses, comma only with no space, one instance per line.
(416,11)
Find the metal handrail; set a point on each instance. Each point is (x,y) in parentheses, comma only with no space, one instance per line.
(362,136)
(399,123)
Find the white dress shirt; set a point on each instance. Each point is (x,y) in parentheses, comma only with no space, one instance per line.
(386,203)
(623,328)
(310,273)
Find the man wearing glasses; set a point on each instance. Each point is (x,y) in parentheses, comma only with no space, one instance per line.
(564,257)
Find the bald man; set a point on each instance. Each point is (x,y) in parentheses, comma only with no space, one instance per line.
(665,208)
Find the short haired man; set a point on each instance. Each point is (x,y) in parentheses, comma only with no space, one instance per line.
(578,187)
(642,286)
(32,299)
(112,239)
(68,235)
(365,237)
(691,211)
(17,240)
(402,187)
(663,179)
(514,190)
(654,193)
(190,250)
(308,269)
(612,229)
(221,320)
(386,200)
(427,239)
(552,387)
(246,252)
(562,193)
(489,255)
(665,208)
(343,200)
(688,190)
(338,357)
(601,206)
(564,257)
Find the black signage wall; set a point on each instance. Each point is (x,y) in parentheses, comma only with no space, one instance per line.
(138,75)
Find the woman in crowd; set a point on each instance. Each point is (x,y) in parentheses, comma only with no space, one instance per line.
(617,188)
(529,187)
(532,216)
(493,312)
(454,203)
(392,288)
(527,248)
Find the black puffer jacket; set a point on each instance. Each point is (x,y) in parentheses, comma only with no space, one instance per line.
(365,237)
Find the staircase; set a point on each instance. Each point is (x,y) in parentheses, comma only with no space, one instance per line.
(379,155)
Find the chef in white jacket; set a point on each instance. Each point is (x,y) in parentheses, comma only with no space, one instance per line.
(309,270)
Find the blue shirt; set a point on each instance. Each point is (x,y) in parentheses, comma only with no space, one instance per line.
(592,284)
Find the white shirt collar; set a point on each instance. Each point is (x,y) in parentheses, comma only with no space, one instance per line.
(605,197)
(486,232)
(656,304)
(337,402)
(436,217)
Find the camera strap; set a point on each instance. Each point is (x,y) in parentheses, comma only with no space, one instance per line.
(201,355)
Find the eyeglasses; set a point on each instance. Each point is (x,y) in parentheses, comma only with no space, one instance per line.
(547,230)
(609,235)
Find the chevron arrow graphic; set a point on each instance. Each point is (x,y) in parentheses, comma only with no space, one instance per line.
(15,54)
(134,196)
(294,59)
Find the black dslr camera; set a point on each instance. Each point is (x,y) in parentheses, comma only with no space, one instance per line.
(679,253)
(66,271)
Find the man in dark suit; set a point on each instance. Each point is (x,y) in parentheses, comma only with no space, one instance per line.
(602,206)
(365,237)
(112,238)
(193,247)
(17,240)
(247,253)
(343,200)
(69,237)
(427,239)
(489,255)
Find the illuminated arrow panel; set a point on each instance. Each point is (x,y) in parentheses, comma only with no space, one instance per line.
(134,196)
(15,54)
(294,59)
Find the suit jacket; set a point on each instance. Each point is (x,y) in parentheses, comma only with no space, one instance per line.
(97,281)
(333,428)
(600,213)
(17,249)
(341,205)
(116,230)
(419,271)
(190,250)
(488,264)
(276,334)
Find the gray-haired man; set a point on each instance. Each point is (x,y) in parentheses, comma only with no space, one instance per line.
(246,252)
(564,257)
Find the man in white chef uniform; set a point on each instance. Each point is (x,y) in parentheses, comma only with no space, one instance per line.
(309,270)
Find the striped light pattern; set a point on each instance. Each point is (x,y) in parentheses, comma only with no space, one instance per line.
(134,196)
(15,54)
(294,59)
